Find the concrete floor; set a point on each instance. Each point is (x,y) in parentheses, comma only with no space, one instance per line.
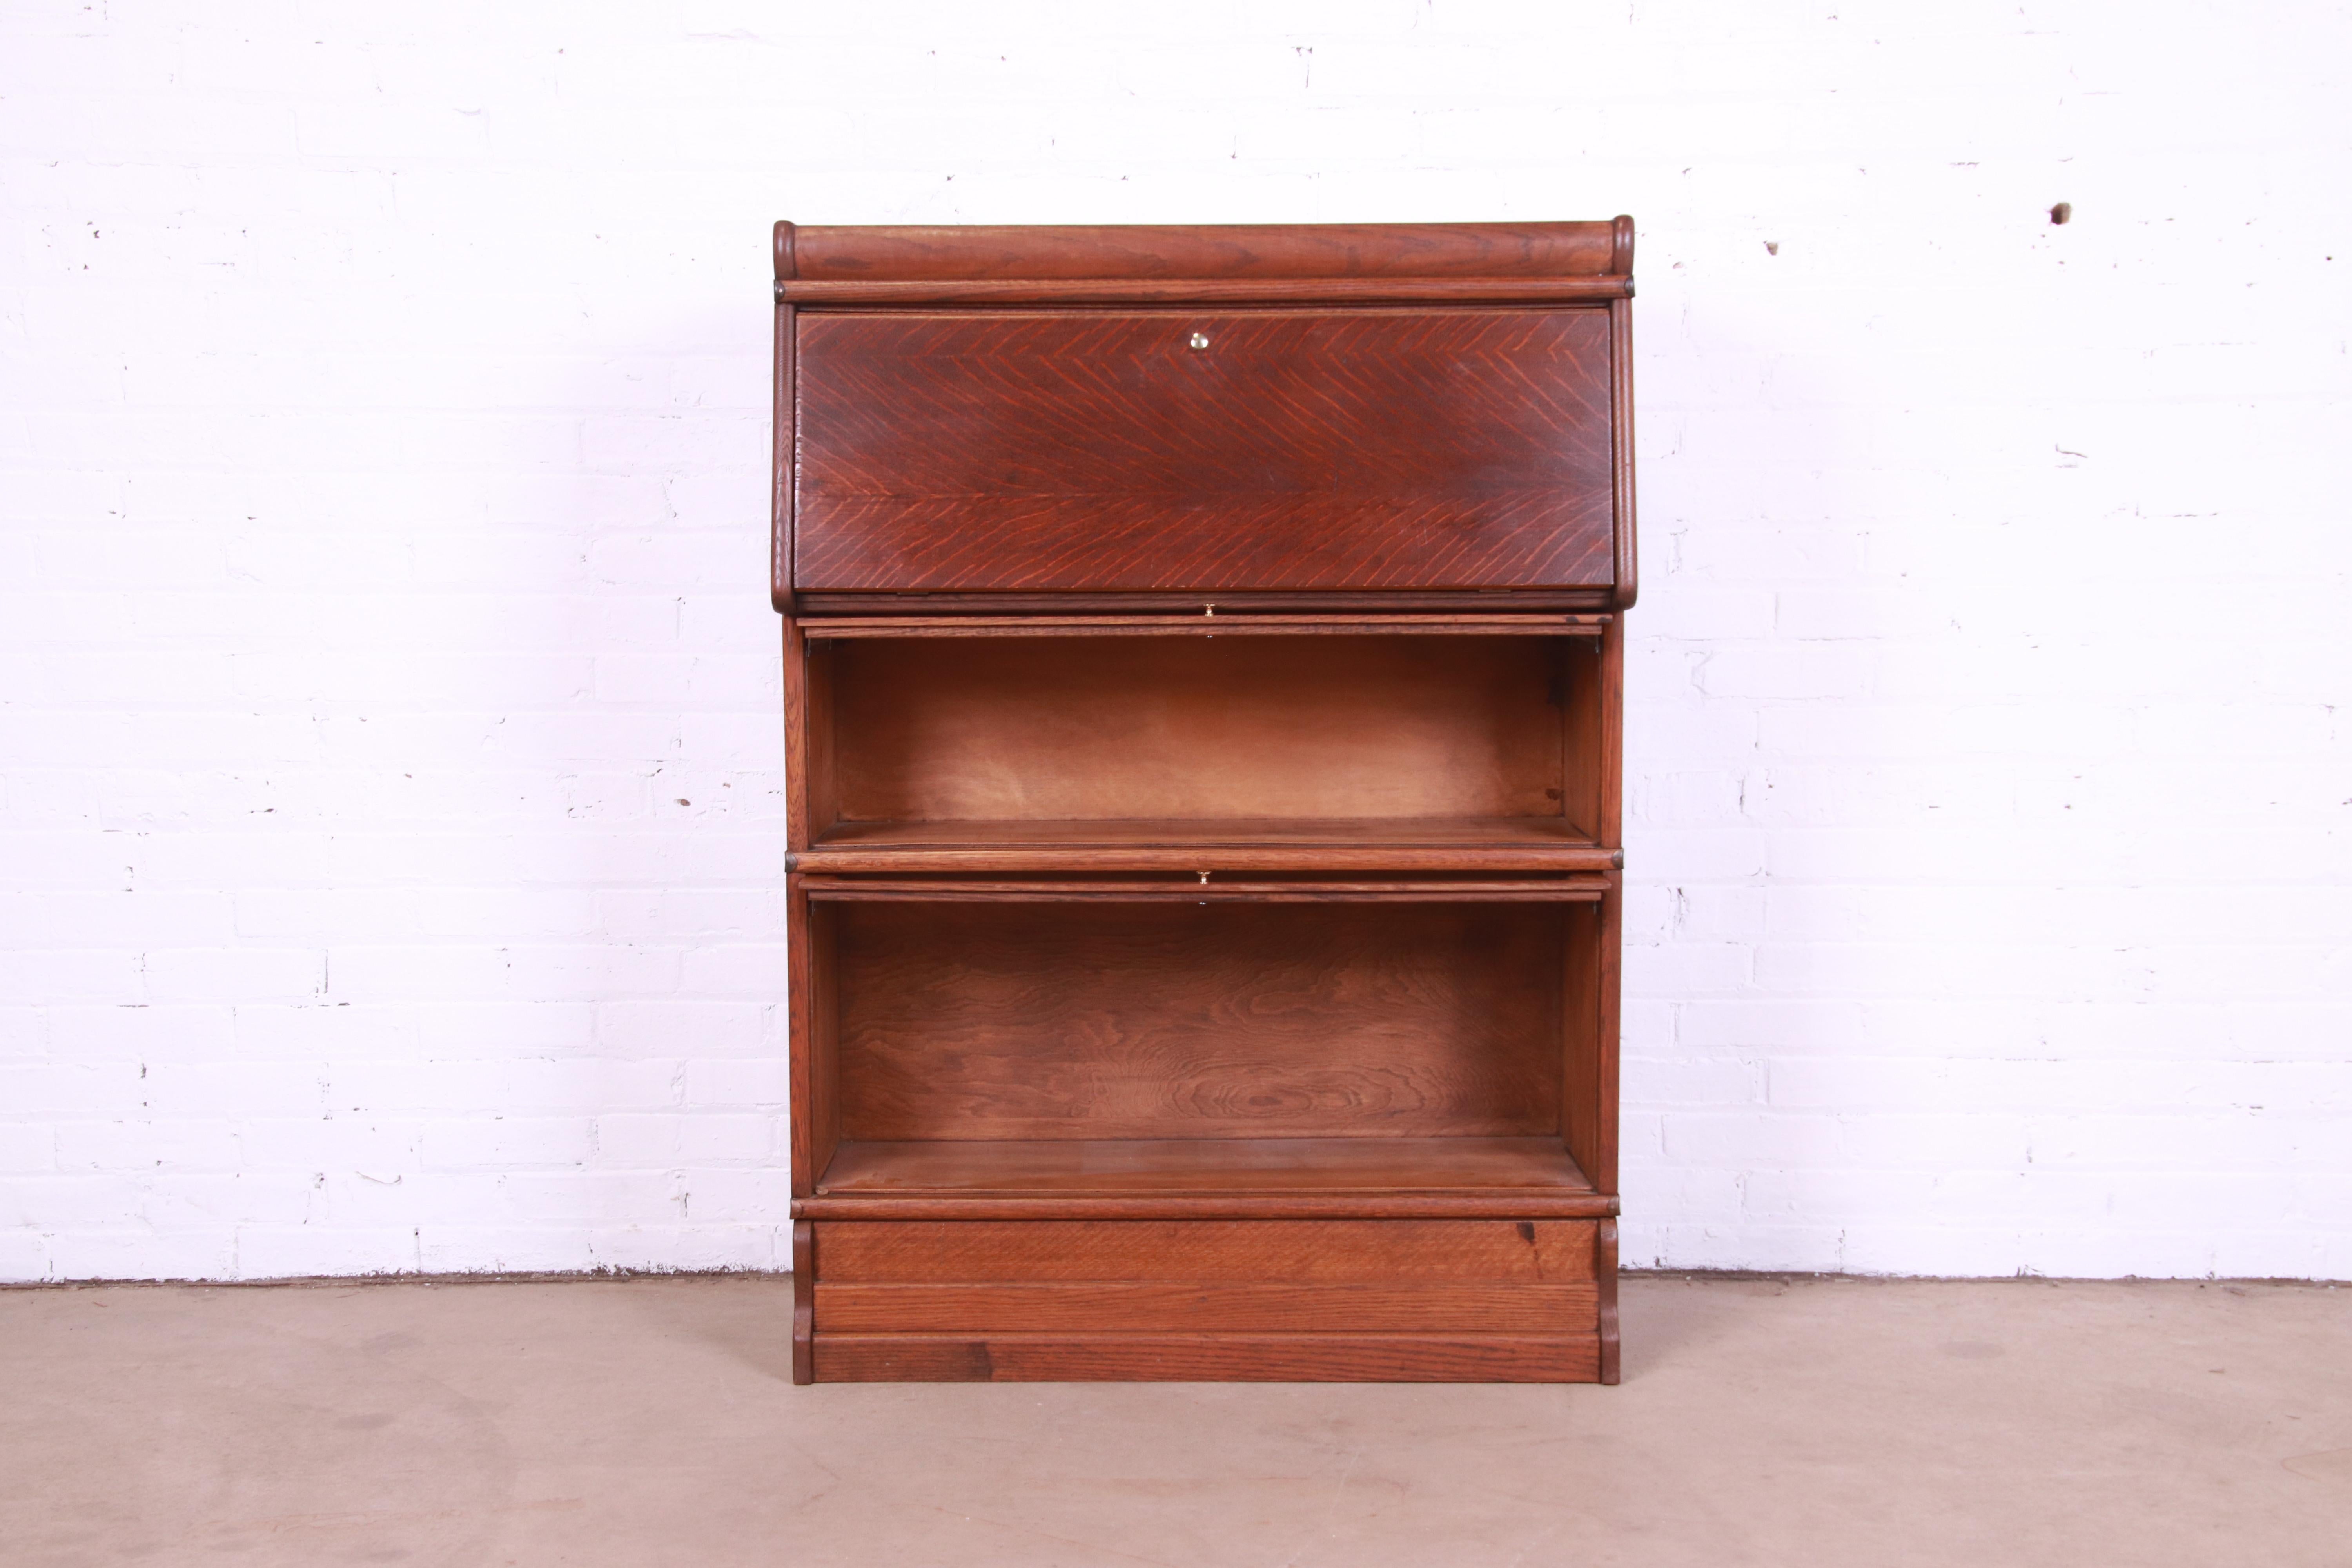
(653,1421)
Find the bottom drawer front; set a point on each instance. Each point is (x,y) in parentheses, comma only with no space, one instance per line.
(1375,1252)
(1314,1300)
(1248,1358)
(1164,1306)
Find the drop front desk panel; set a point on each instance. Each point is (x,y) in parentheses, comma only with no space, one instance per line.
(1203,680)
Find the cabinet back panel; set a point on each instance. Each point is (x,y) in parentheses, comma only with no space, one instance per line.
(1034,1021)
(1026,450)
(1137,728)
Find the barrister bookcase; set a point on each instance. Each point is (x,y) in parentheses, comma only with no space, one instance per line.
(1201,670)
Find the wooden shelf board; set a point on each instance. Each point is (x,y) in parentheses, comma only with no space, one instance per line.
(1337,847)
(1202,1167)
(1214,833)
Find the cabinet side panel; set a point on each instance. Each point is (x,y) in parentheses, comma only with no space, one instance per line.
(1589,1076)
(812,1016)
(798,828)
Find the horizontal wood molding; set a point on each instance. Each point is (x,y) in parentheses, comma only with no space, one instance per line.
(1560,890)
(1501,1204)
(1233,252)
(1206,624)
(1206,291)
(852,860)
(1202,1357)
(1243,601)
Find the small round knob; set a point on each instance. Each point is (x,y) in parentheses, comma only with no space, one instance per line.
(1200,340)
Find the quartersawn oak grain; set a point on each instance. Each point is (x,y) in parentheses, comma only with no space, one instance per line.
(1011,450)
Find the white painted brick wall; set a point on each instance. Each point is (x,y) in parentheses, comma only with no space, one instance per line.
(391,818)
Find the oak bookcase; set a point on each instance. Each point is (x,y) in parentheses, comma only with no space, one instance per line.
(1203,664)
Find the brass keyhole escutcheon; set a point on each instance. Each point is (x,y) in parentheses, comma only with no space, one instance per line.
(1200,340)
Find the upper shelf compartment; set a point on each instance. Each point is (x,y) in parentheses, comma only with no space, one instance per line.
(1202,450)
(1205,743)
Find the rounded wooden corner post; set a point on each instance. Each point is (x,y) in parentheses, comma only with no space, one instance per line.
(1620,246)
(804,1302)
(1606,1272)
(780,542)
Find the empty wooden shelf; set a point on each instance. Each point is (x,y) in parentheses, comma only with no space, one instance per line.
(1203,664)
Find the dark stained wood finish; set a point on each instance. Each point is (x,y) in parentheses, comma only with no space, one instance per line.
(1057,1020)
(1013,450)
(1204,797)
(1200,1357)
(1040,729)
(1078,252)
(1072,1167)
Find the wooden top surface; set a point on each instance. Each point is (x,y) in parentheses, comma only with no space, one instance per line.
(1262,252)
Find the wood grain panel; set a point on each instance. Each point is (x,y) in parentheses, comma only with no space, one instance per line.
(1174,728)
(1132,1020)
(1272,1308)
(1368,1252)
(1020,449)
(1249,1358)
(818,251)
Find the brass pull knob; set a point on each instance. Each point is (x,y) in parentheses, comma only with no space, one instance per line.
(1200,340)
